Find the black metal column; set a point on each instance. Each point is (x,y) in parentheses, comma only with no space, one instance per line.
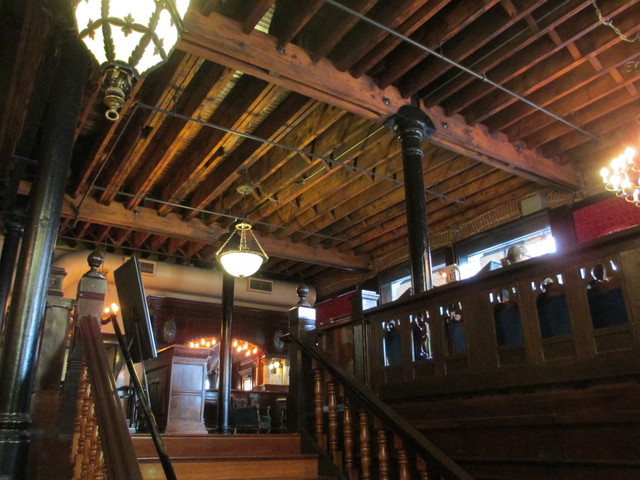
(411,125)
(224,389)
(12,235)
(24,322)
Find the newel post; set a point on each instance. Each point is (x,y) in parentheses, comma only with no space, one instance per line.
(302,324)
(89,304)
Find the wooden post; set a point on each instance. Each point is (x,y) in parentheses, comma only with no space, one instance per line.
(347,421)
(302,321)
(360,301)
(365,447)
(46,451)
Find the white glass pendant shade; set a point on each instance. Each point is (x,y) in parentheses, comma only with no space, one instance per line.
(241,264)
(239,258)
(139,34)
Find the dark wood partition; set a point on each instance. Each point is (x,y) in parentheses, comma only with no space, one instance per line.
(530,371)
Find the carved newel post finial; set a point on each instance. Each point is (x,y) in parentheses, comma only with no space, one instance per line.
(95,260)
(303,292)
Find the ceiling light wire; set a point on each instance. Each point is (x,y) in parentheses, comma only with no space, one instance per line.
(482,77)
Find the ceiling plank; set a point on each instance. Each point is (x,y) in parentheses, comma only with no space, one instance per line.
(171,225)
(221,40)
(172,142)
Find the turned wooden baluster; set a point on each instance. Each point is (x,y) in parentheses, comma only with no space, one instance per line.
(383,452)
(403,460)
(365,449)
(332,402)
(317,402)
(347,421)
(421,466)
(87,457)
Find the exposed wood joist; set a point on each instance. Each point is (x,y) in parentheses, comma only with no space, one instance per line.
(221,40)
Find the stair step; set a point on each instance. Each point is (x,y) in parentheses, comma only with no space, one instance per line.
(218,445)
(291,467)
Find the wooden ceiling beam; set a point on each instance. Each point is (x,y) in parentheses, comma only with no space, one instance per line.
(388,43)
(287,116)
(171,225)
(257,10)
(290,17)
(99,154)
(335,27)
(432,35)
(487,28)
(503,63)
(616,99)
(301,176)
(394,213)
(364,36)
(575,80)
(555,73)
(322,118)
(182,70)
(343,214)
(198,105)
(221,40)
(246,100)
(566,106)
(603,127)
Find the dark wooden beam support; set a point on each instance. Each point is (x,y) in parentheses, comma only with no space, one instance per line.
(171,225)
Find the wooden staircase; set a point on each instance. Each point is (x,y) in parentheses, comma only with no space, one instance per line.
(225,457)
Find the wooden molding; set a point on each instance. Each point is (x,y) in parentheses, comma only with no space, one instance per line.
(172,225)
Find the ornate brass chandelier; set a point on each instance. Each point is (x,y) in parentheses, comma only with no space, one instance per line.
(623,176)
(128,38)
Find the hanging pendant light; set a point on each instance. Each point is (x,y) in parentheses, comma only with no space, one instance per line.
(128,38)
(241,255)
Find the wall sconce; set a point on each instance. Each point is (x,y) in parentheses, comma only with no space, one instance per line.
(237,257)
(128,38)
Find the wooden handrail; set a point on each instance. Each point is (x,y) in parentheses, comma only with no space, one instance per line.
(119,454)
(405,437)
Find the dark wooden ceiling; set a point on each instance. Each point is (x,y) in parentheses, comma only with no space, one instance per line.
(527,96)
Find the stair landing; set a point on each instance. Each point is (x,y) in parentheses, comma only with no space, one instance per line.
(227,457)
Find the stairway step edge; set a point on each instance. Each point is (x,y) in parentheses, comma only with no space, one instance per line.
(235,458)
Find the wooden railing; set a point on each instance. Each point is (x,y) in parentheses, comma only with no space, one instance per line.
(362,436)
(542,322)
(102,446)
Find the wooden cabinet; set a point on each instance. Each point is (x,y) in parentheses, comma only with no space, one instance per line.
(176,389)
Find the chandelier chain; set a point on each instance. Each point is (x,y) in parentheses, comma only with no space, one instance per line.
(610,24)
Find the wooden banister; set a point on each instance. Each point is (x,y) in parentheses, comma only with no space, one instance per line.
(117,446)
(409,444)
